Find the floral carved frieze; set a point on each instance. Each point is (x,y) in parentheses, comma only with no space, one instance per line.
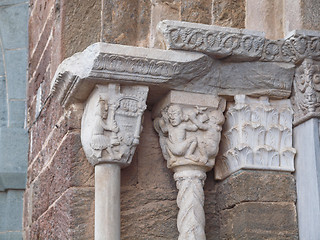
(189,127)
(306,94)
(239,43)
(257,134)
(111,123)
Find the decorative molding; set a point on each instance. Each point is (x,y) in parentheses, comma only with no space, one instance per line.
(103,63)
(257,134)
(306,94)
(241,44)
(111,123)
(189,127)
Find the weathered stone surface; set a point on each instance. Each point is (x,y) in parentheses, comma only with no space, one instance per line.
(239,44)
(79,17)
(196,11)
(71,217)
(144,21)
(266,16)
(229,13)
(256,186)
(260,220)
(120,21)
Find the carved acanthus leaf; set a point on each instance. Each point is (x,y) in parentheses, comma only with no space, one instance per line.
(259,136)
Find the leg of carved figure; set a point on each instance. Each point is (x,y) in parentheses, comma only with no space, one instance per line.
(190,200)
(107,202)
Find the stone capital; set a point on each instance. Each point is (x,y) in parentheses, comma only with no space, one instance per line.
(306,92)
(257,134)
(189,127)
(111,123)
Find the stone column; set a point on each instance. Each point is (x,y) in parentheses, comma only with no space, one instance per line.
(189,127)
(110,130)
(306,102)
(254,168)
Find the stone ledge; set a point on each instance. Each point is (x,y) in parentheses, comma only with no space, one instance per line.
(239,44)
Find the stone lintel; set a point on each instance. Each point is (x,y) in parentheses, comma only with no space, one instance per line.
(165,70)
(244,45)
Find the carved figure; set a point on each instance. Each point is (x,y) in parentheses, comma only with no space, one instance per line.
(177,128)
(103,123)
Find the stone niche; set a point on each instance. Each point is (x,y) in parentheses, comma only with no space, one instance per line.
(199,64)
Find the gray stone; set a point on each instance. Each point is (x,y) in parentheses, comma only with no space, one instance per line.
(17,114)
(11,2)
(11,212)
(14,22)
(3,102)
(16,67)
(307,143)
(13,158)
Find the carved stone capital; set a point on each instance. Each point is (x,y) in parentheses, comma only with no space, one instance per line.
(306,94)
(111,123)
(189,127)
(257,134)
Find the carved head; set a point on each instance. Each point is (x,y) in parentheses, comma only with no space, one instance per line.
(102,108)
(175,115)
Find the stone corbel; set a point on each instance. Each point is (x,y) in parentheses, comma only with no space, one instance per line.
(189,127)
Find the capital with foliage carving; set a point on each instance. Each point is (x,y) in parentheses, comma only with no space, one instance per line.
(306,96)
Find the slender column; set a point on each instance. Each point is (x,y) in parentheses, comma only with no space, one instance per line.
(189,127)
(110,130)
(107,201)
(306,102)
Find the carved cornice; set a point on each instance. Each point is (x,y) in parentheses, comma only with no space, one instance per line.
(257,135)
(240,44)
(104,63)
(111,123)
(306,94)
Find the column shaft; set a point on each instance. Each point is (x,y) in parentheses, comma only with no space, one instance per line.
(107,202)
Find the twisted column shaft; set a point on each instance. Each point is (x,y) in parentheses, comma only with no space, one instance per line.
(190,200)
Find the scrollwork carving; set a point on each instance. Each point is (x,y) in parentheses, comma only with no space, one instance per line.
(111,123)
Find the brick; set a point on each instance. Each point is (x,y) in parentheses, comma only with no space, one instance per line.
(262,186)
(260,220)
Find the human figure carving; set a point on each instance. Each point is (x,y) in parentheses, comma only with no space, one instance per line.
(175,124)
(104,122)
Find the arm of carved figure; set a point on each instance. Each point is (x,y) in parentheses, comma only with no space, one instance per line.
(160,126)
(200,125)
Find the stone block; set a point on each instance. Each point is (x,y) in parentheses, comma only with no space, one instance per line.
(3,103)
(256,186)
(71,217)
(229,13)
(120,21)
(11,2)
(16,68)
(80,17)
(11,212)
(13,158)
(17,113)
(144,21)
(259,220)
(14,22)
(196,11)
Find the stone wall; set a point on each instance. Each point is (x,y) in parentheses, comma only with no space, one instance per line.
(13,135)
(59,200)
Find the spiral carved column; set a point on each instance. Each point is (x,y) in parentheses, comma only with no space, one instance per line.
(189,127)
